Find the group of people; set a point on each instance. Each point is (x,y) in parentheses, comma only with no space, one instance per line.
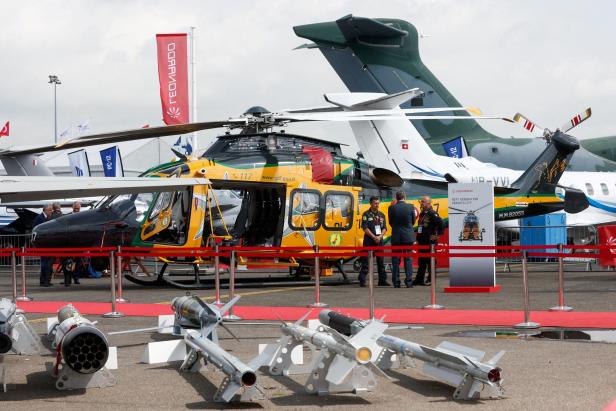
(70,267)
(402,218)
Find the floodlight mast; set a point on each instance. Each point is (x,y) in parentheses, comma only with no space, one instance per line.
(53,79)
(193,77)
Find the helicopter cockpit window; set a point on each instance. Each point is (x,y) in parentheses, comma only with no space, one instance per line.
(142,203)
(168,221)
(338,211)
(124,204)
(305,210)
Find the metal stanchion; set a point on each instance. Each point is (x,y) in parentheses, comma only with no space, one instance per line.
(230,316)
(119,271)
(317,282)
(217,276)
(114,313)
(23,296)
(527,324)
(561,283)
(14,272)
(433,305)
(371,283)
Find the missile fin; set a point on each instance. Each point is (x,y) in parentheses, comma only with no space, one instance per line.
(340,369)
(228,305)
(374,367)
(496,358)
(303,317)
(462,349)
(227,390)
(443,354)
(443,374)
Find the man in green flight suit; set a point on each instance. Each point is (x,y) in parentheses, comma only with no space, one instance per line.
(374,225)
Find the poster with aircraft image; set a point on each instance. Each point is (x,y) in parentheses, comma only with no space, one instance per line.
(471,222)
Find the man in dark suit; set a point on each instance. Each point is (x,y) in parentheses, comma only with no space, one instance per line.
(401,219)
(46,262)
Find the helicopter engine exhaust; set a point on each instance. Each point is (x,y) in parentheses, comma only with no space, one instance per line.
(385,178)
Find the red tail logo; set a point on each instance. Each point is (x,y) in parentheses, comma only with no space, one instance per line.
(5,130)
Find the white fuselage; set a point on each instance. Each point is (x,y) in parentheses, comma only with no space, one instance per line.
(396,145)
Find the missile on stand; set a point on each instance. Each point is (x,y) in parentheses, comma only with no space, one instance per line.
(16,335)
(82,350)
(239,376)
(454,364)
(341,364)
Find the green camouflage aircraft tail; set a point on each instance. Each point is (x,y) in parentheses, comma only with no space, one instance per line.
(382,56)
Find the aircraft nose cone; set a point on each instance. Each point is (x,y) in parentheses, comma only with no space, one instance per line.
(52,233)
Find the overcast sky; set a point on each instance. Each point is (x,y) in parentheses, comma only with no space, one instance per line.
(548,59)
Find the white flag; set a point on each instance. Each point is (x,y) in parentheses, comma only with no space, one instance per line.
(78,161)
(66,134)
(83,126)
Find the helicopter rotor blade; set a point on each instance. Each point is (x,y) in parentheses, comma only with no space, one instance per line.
(525,122)
(127,135)
(484,206)
(576,120)
(457,209)
(393,116)
(337,111)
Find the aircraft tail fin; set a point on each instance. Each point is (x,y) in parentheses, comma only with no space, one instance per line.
(24,165)
(382,56)
(543,174)
(393,144)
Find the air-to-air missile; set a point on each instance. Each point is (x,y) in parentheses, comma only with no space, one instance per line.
(341,365)
(239,376)
(16,335)
(454,364)
(82,352)
(191,312)
(198,320)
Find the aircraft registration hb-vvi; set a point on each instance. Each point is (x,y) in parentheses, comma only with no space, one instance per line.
(267,188)
(382,56)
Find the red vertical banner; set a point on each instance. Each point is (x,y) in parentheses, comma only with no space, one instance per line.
(173,77)
(607,236)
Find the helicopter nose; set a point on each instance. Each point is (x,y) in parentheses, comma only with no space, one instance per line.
(52,233)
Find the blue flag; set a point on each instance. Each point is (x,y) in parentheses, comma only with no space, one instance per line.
(112,162)
(456,148)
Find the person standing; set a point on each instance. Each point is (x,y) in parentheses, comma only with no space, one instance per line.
(374,225)
(56,211)
(46,262)
(72,267)
(429,227)
(401,219)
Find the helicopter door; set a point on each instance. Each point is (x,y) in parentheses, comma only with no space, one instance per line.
(168,218)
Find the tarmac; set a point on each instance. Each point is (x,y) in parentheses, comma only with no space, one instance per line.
(538,374)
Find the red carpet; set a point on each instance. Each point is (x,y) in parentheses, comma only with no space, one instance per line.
(392,315)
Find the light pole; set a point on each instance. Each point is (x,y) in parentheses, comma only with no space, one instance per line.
(53,79)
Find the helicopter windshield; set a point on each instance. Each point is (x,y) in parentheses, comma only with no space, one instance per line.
(124,203)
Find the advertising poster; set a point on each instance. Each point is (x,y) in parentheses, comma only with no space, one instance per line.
(471,222)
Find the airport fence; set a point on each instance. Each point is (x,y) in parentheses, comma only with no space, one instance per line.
(579,236)
(17,241)
(118,256)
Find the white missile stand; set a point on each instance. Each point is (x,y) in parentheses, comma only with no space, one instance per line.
(361,379)
(25,340)
(71,380)
(278,357)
